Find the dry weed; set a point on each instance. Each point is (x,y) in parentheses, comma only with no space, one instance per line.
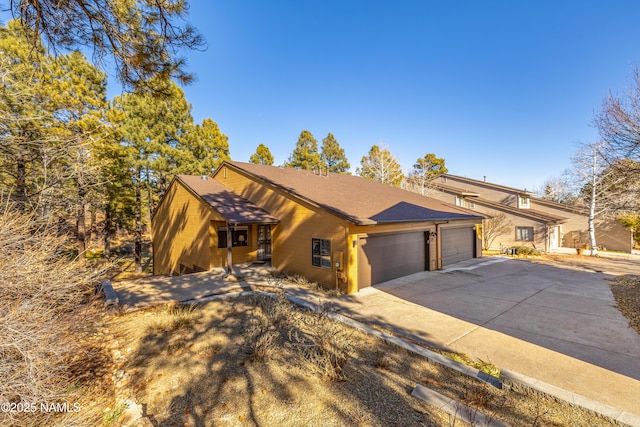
(626,291)
(324,343)
(42,291)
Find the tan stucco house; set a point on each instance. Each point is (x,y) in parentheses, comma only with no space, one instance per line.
(545,225)
(341,231)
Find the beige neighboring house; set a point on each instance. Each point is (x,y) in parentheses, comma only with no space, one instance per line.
(341,231)
(545,225)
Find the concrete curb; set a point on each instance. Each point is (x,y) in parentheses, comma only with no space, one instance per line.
(454,408)
(516,381)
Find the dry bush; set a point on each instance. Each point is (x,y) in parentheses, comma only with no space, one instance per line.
(41,290)
(326,344)
(270,314)
(323,343)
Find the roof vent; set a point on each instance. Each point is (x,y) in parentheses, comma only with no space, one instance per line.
(204,177)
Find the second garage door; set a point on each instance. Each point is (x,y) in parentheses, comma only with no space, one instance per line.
(385,257)
(458,244)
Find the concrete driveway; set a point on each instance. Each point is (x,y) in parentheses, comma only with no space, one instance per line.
(553,321)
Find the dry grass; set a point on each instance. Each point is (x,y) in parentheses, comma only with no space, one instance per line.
(243,361)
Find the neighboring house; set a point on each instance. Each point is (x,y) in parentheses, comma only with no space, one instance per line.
(535,222)
(338,230)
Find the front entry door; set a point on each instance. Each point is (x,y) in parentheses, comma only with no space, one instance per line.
(553,238)
(264,242)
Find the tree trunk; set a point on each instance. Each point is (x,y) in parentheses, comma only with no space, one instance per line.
(107,232)
(21,183)
(149,192)
(80,209)
(93,225)
(592,207)
(137,249)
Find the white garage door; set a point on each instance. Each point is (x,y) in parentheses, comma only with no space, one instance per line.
(386,257)
(458,244)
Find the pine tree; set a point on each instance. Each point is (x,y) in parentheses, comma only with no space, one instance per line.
(53,112)
(151,129)
(381,166)
(262,156)
(143,38)
(305,155)
(208,147)
(25,120)
(79,100)
(333,157)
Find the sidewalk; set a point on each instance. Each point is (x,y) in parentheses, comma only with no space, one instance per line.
(570,377)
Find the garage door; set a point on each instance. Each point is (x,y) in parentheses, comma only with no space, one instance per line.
(458,244)
(385,257)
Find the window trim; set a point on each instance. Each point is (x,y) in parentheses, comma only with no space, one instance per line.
(238,231)
(524,201)
(322,256)
(518,235)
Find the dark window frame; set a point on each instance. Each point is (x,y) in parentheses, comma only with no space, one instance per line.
(238,241)
(321,252)
(529,234)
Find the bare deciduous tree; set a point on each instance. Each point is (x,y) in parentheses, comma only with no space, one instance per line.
(599,185)
(557,189)
(492,227)
(380,165)
(619,122)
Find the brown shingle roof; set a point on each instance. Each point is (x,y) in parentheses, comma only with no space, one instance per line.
(354,198)
(233,208)
(544,217)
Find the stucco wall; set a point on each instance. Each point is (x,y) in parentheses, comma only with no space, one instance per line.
(299,223)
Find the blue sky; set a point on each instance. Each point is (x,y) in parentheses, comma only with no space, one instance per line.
(506,89)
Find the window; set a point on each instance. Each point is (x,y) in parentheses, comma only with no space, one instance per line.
(240,236)
(523,201)
(321,253)
(524,234)
(443,179)
(460,201)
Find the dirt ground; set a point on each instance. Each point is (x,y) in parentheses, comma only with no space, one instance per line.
(263,362)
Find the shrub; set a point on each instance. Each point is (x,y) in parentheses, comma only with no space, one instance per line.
(270,314)
(41,292)
(526,251)
(324,343)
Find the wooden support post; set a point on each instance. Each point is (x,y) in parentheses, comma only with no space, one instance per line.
(229,249)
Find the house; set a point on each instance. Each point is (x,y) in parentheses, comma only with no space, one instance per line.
(338,230)
(545,225)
